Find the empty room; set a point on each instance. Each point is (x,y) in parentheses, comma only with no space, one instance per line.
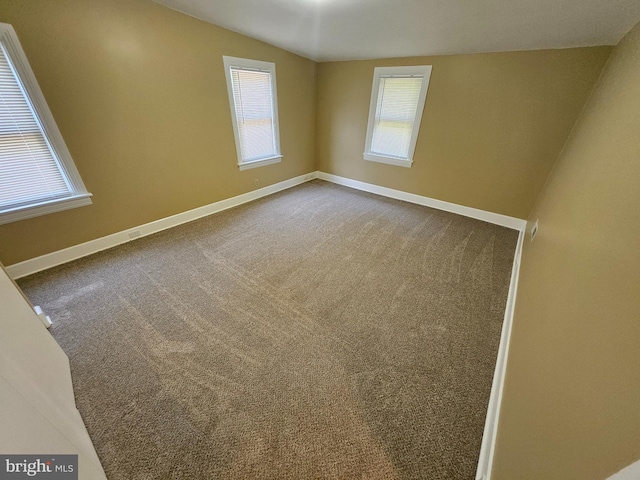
(320,239)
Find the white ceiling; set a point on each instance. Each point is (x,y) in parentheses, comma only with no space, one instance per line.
(325,30)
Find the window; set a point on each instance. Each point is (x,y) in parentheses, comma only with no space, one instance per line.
(37,174)
(397,102)
(254,110)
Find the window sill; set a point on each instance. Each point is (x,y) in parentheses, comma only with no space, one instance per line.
(43,208)
(400,162)
(260,163)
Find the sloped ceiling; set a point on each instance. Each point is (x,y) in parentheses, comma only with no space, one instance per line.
(325,30)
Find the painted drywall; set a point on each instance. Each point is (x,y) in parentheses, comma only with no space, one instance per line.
(139,94)
(572,393)
(492,128)
(37,408)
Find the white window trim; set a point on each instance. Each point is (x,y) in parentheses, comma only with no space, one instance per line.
(79,196)
(258,65)
(260,163)
(378,73)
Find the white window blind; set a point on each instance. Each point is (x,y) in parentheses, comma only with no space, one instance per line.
(37,174)
(254,111)
(397,102)
(29,169)
(395,114)
(252,97)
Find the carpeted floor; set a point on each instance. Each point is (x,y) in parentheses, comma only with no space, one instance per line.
(320,332)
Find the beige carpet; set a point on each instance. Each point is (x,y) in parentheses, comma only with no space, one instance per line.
(318,333)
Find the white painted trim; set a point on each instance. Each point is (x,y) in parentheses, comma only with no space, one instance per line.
(632,472)
(495,218)
(43,262)
(43,208)
(260,163)
(487,449)
(400,162)
(59,257)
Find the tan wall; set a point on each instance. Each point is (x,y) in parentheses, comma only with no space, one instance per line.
(492,128)
(139,94)
(571,405)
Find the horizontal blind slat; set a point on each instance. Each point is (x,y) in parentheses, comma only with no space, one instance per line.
(254,113)
(395,115)
(29,170)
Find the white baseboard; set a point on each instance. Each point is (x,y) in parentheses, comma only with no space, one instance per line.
(487,449)
(495,218)
(59,257)
(43,262)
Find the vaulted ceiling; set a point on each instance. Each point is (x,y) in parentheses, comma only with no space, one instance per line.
(325,30)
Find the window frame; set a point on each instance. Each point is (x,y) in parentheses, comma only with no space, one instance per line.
(379,72)
(79,196)
(247,64)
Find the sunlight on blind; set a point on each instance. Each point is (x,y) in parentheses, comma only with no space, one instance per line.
(254,111)
(29,171)
(395,114)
